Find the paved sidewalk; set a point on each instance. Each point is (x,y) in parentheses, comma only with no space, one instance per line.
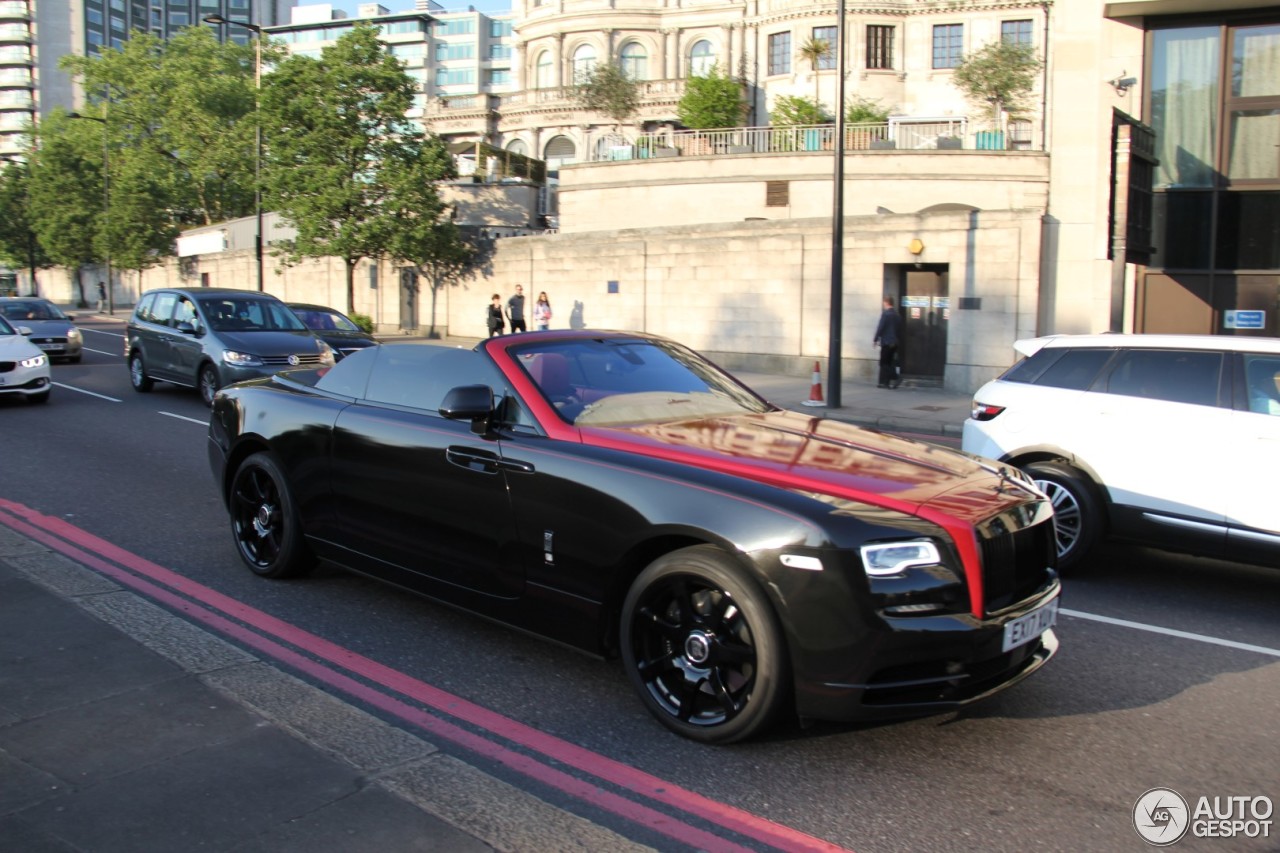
(126,728)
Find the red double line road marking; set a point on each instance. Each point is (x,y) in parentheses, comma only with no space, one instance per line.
(214,608)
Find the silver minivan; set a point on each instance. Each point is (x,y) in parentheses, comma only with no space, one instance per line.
(207,337)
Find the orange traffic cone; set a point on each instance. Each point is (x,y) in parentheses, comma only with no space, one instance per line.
(815,391)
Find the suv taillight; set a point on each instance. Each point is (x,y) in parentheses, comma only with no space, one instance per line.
(984,412)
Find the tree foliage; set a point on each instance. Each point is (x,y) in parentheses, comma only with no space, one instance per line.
(19,244)
(606,89)
(344,166)
(792,110)
(710,101)
(866,111)
(998,77)
(814,51)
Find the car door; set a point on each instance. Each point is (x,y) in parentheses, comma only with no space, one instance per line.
(419,496)
(186,348)
(1251,460)
(1161,417)
(154,336)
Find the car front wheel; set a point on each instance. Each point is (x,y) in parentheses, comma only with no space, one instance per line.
(1077,511)
(209,384)
(138,373)
(265,520)
(702,646)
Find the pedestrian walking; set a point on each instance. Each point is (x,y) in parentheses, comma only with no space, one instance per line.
(515,310)
(542,313)
(493,316)
(102,297)
(888,333)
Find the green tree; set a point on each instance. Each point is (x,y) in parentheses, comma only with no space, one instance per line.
(814,51)
(343,163)
(866,111)
(792,110)
(998,77)
(710,101)
(19,244)
(606,89)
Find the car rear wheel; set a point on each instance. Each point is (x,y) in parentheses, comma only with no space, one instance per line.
(702,646)
(208,384)
(138,373)
(265,521)
(1077,511)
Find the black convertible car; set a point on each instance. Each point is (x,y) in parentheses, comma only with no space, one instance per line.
(619,493)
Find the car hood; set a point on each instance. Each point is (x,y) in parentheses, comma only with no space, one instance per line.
(15,347)
(266,343)
(346,338)
(793,450)
(43,328)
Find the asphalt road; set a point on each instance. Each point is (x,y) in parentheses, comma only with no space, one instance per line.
(1181,689)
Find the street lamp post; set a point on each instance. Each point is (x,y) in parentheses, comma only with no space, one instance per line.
(257,131)
(106,203)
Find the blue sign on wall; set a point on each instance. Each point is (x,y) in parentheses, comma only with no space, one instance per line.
(1244,320)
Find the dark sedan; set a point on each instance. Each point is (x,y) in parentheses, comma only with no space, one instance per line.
(618,493)
(333,327)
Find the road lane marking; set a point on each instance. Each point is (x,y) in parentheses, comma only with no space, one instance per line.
(101,332)
(1170,632)
(324,661)
(184,418)
(90,393)
(115,354)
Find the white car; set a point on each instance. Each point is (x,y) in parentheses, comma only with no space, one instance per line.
(1172,441)
(24,368)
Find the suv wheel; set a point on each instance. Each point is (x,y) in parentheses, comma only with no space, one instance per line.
(138,373)
(1077,510)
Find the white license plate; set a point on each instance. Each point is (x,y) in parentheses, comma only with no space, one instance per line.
(1024,629)
(51,347)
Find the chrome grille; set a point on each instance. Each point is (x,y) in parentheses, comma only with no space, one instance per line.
(283,360)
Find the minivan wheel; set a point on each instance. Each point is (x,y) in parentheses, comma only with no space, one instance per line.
(208,384)
(138,374)
(1078,519)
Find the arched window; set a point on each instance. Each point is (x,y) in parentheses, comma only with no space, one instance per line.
(560,151)
(544,76)
(634,61)
(701,59)
(518,146)
(584,59)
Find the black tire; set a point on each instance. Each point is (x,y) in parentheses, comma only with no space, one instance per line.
(138,377)
(702,646)
(75,359)
(1078,519)
(208,383)
(264,520)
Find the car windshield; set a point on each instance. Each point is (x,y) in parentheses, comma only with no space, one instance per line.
(616,381)
(248,314)
(325,320)
(33,310)
(5,328)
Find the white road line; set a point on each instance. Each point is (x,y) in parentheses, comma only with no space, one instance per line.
(185,418)
(90,393)
(1170,632)
(102,352)
(101,332)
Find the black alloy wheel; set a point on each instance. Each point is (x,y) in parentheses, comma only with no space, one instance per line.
(265,521)
(208,384)
(702,646)
(138,373)
(1077,511)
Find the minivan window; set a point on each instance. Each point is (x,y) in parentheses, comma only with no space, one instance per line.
(143,311)
(1176,376)
(162,308)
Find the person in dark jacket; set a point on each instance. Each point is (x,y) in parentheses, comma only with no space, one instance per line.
(888,333)
(494,316)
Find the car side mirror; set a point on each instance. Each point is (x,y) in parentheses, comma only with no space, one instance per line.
(470,402)
(24,331)
(187,329)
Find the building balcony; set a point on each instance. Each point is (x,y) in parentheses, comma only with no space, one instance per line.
(10,11)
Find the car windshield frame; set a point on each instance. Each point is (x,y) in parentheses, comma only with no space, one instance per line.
(7,328)
(247,314)
(631,381)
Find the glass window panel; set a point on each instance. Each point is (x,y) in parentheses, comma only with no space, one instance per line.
(826,35)
(634,62)
(1249,231)
(1255,145)
(948,45)
(780,53)
(702,59)
(1184,104)
(1172,376)
(879,47)
(545,71)
(1015,32)
(1180,230)
(1255,66)
(584,59)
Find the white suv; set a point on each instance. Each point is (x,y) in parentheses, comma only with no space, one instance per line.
(1168,440)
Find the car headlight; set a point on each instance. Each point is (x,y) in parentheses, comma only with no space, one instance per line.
(893,558)
(73,334)
(326,353)
(241,359)
(34,361)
